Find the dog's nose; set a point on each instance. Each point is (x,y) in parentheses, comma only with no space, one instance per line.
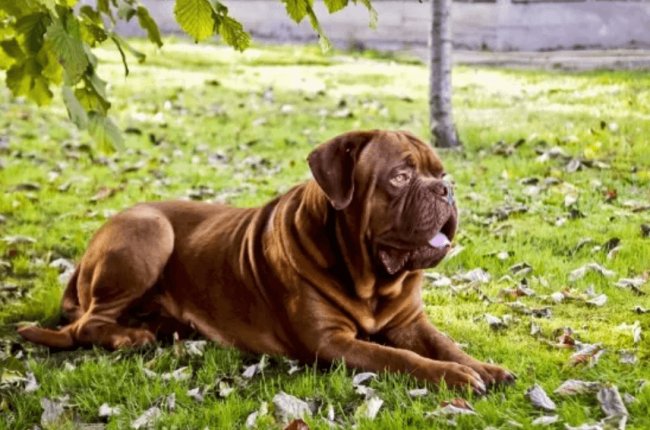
(443,188)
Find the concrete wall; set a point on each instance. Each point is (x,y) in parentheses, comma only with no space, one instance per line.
(501,25)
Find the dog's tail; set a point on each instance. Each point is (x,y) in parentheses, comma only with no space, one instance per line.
(61,339)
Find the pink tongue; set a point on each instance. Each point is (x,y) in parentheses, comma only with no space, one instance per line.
(440,241)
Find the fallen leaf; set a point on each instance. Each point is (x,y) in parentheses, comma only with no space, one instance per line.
(180,374)
(196,394)
(52,411)
(635,330)
(634,284)
(288,407)
(587,353)
(611,402)
(640,310)
(574,386)
(102,194)
(598,301)
(580,272)
(627,357)
(195,347)
(369,408)
(452,407)
(570,200)
(147,419)
(31,384)
(225,389)
(645,230)
(476,275)
(418,392)
(438,280)
(251,420)
(535,328)
(360,378)
(546,420)
(105,410)
(628,398)
(597,426)
(540,399)
(494,322)
(170,402)
(256,368)
(18,240)
(521,269)
(330,413)
(294,366)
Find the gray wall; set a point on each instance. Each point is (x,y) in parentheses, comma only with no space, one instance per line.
(499,25)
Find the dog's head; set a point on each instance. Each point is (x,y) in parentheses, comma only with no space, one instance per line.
(390,187)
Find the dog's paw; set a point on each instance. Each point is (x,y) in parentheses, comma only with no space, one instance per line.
(459,376)
(133,338)
(493,375)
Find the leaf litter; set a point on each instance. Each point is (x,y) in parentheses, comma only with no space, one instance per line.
(540,399)
(288,407)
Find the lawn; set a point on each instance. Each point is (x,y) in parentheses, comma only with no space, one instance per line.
(555,174)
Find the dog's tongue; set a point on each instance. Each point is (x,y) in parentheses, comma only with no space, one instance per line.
(440,241)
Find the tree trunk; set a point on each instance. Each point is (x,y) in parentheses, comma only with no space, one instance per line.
(441,120)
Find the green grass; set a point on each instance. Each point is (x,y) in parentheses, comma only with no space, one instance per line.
(189,102)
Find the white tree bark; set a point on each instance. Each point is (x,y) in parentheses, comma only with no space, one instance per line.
(441,120)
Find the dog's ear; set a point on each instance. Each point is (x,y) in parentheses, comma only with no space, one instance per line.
(332,164)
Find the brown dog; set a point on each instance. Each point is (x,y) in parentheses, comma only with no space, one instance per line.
(330,270)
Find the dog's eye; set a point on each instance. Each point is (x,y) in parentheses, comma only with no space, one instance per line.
(400,179)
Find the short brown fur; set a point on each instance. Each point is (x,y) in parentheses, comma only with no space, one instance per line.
(330,270)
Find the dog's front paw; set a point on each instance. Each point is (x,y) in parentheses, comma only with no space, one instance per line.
(492,374)
(459,376)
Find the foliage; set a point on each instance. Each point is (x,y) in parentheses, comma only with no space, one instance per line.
(522,131)
(46,44)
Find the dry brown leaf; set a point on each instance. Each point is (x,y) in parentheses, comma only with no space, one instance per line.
(297,425)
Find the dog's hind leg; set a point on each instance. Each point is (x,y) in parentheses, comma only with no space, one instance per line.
(124,260)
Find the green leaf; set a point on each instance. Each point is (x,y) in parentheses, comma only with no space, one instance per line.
(296,9)
(125,10)
(32,28)
(10,52)
(68,46)
(20,7)
(76,112)
(91,14)
(233,33)
(104,7)
(105,133)
(371,11)
(121,51)
(137,54)
(92,95)
(92,26)
(323,41)
(52,70)
(148,24)
(335,5)
(25,79)
(195,18)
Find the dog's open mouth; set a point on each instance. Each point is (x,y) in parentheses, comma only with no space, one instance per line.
(421,257)
(440,241)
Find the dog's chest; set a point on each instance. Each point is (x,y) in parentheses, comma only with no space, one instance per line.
(373,315)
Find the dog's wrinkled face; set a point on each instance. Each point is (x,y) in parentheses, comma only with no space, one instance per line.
(395,185)
(412,211)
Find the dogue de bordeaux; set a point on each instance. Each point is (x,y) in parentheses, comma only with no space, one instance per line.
(330,270)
